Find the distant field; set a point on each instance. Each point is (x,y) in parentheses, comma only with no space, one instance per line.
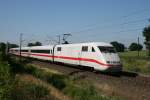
(132,62)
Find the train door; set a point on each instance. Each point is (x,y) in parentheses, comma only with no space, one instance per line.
(75,53)
(83,55)
(58,53)
(87,54)
(53,53)
(79,56)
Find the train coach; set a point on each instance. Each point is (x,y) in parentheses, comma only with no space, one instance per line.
(97,55)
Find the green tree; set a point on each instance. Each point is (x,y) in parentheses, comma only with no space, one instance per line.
(12,45)
(146,34)
(135,47)
(35,44)
(2,47)
(118,46)
(3,51)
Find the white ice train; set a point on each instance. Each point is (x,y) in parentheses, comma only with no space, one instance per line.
(97,55)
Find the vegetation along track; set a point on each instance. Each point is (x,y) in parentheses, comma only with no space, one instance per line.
(128,85)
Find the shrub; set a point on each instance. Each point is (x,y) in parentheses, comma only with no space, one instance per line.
(6,81)
(16,66)
(54,79)
(57,81)
(84,93)
(28,91)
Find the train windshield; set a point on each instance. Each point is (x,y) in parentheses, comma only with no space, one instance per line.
(105,49)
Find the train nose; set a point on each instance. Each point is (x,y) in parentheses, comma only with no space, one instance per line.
(117,68)
(111,58)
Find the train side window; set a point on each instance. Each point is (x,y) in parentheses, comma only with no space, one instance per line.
(24,50)
(58,48)
(84,48)
(40,51)
(93,50)
(51,51)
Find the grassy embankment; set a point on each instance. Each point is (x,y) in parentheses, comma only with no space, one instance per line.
(14,88)
(6,79)
(132,62)
(73,86)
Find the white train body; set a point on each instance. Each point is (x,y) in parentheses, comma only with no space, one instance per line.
(98,55)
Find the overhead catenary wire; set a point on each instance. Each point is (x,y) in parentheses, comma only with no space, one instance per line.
(121,17)
(113,25)
(91,27)
(118,32)
(136,12)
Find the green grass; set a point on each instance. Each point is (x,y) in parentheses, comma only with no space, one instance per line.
(28,91)
(83,90)
(68,85)
(132,62)
(6,80)
(75,88)
(12,89)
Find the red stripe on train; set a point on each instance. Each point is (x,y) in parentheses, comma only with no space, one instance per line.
(73,58)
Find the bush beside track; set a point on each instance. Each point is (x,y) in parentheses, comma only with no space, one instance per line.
(13,89)
(6,79)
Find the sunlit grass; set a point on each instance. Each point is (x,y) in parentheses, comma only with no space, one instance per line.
(132,62)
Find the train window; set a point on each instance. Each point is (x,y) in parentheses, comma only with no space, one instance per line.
(51,51)
(85,48)
(24,50)
(93,50)
(40,51)
(107,49)
(58,48)
(16,50)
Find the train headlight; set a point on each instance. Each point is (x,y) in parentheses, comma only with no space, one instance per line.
(113,62)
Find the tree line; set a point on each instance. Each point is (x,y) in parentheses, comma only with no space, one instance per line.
(135,46)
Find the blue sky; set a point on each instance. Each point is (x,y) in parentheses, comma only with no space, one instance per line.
(86,20)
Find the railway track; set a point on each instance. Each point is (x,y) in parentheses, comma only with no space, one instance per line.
(129,85)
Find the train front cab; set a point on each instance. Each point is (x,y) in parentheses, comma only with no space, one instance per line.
(111,59)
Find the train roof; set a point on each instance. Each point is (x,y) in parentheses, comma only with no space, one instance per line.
(92,43)
(35,47)
(73,44)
